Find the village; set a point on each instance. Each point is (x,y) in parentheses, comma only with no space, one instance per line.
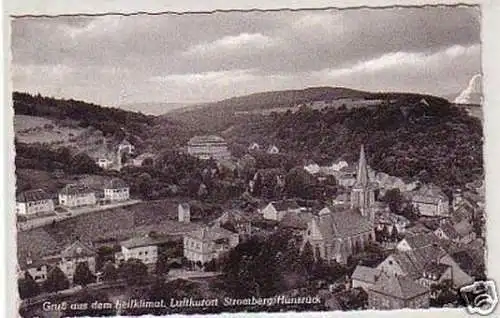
(407,244)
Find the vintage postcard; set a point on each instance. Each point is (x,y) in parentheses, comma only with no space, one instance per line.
(250,161)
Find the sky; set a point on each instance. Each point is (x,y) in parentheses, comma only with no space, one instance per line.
(192,58)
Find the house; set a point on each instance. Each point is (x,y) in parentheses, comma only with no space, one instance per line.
(36,267)
(412,263)
(338,166)
(116,190)
(434,273)
(276,210)
(296,222)
(77,195)
(143,159)
(126,147)
(364,277)
(272,149)
(208,243)
(104,163)
(431,201)
(144,248)
(418,228)
(254,146)
(463,211)
(235,220)
(461,232)
(34,203)
(389,220)
(74,254)
(397,292)
(416,241)
(184,212)
(206,147)
(312,167)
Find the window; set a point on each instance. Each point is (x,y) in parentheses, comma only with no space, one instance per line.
(146,253)
(390,262)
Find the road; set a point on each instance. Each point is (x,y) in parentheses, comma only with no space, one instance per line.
(71,213)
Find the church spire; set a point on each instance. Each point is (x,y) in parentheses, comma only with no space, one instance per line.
(362,176)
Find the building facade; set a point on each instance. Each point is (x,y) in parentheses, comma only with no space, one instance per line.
(77,195)
(206,147)
(33,203)
(144,249)
(74,254)
(397,292)
(339,232)
(208,243)
(184,212)
(116,190)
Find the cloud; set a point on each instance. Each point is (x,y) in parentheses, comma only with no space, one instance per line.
(199,55)
(243,41)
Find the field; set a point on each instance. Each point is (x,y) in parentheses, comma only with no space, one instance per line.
(31,129)
(119,223)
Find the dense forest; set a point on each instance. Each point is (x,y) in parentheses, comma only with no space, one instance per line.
(432,141)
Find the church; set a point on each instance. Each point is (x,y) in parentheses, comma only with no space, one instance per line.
(338,232)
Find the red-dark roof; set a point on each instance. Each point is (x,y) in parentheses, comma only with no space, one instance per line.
(71,189)
(33,195)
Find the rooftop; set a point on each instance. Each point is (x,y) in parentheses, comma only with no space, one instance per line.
(396,286)
(206,139)
(342,223)
(210,234)
(32,195)
(116,183)
(75,188)
(146,240)
(365,274)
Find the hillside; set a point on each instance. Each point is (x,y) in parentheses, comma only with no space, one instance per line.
(219,116)
(82,125)
(434,141)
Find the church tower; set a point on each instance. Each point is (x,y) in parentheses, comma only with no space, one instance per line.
(363,192)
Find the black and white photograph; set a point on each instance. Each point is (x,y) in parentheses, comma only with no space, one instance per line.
(250,161)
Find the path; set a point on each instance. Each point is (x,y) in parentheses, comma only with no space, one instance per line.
(71,213)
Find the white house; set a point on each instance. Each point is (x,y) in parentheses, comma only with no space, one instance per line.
(35,267)
(208,243)
(430,205)
(254,146)
(104,163)
(142,158)
(116,190)
(184,212)
(277,210)
(33,203)
(144,248)
(272,149)
(77,195)
(126,147)
(312,168)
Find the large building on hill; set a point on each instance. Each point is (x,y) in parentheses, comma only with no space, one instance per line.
(116,190)
(77,195)
(339,232)
(33,203)
(206,147)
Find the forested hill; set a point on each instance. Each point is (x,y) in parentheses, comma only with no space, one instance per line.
(106,119)
(218,116)
(118,123)
(433,140)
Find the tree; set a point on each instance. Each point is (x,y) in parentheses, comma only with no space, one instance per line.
(109,272)
(56,280)
(104,254)
(307,257)
(134,271)
(27,286)
(162,266)
(394,199)
(83,276)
